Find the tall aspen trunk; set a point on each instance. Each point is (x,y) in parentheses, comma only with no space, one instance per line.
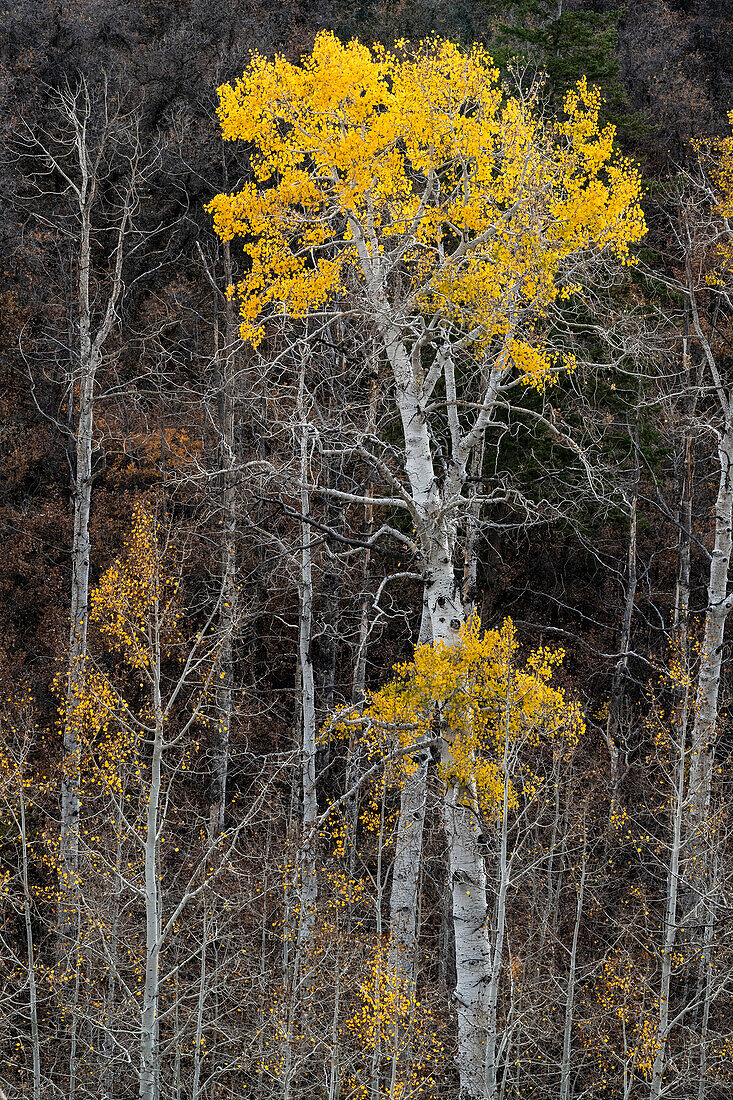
(706,991)
(473,951)
(444,605)
(408,840)
(567,1045)
(620,673)
(684,541)
(359,684)
(107,1076)
(670,916)
(227,464)
(80,555)
(467,873)
(470,558)
(308,879)
(198,1041)
(149,1063)
(403,901)
(497,948)
(708,685)
(77,110)
(30,949)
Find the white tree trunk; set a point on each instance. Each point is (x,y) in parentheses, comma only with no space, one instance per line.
(436,533)
(32,985)
(308,878)
(434,514)
(227,463)
(77,109)
(473,951)
(497,954)
(80,555)
(679,806)
(711,659)
(404,893)
(198,1041)
(567,1045)
(620,673)
(149,1064)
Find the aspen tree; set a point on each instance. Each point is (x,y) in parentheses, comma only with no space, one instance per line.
(704,245)
(449,212)
(674,741)
(136,607)
(226,361)
(308,879)
(91,145)
(477,694)
(18,792)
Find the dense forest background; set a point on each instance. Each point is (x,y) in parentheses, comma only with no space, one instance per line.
(241,940)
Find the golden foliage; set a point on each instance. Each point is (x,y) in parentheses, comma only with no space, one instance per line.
(478,696)
(369,160)
(134,596)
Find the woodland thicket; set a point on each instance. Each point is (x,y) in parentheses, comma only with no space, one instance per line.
(367,502)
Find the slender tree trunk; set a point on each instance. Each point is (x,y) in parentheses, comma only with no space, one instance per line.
(107,1076)
(308,879)
(30,949)
(684,541)
(77,110)
(198,1042)
(333,1075)
(227,465)
(711,659)
(497,954)
(567,1045)
(706,989)
(80,556)
(670,917)
(149,1066)
(618,686)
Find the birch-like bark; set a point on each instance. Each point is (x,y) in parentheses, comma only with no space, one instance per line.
(434,509)
(107,1075)
(77,109)
(567,1044)
(149,1061)
(228,607)
(706,990)
(620,673)
(308,879)
(497,950)
(684,543)
(711,659)
(670,917)
(444,606)
(403,900)
(80,555)
(719,603)
(473,951)
(198,1041)
(30,948)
